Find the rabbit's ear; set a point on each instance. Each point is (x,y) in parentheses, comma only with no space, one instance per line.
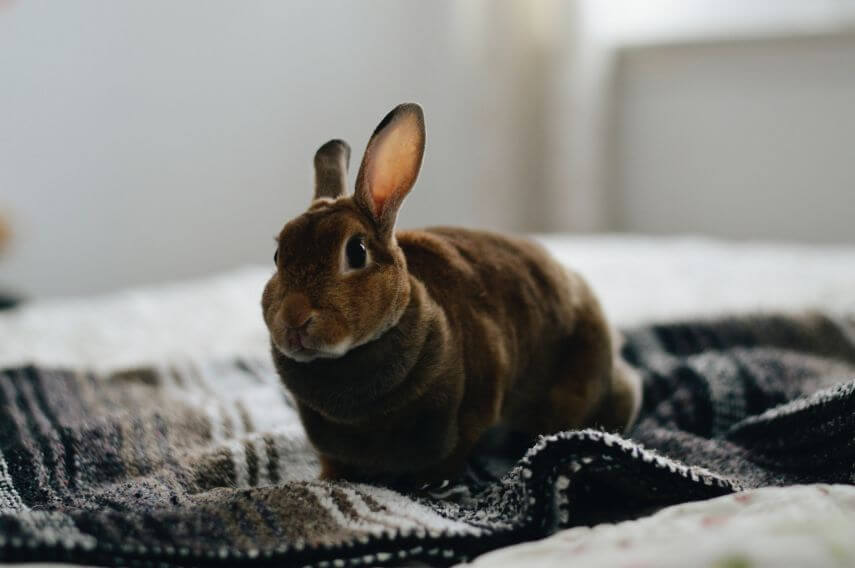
(331,162)
(391,164)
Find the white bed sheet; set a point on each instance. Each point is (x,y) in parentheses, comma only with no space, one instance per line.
(800,526)
(638,279)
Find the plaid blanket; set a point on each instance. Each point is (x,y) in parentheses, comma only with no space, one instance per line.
(204,463)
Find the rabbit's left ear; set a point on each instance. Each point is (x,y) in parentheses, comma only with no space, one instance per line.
(391,164)
(331,162)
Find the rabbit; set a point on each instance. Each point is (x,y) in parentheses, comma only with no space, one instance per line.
(402,348)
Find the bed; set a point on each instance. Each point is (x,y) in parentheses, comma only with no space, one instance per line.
(639,279)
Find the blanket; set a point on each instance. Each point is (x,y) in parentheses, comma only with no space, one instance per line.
(205,462)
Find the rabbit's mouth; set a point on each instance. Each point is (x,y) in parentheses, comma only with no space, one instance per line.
(294,346)
(297,345)
(295,340)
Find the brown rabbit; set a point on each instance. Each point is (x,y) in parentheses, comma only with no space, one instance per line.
(402,349)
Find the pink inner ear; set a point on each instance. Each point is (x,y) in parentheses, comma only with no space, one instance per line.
(394,163)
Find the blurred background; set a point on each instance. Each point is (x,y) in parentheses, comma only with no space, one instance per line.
(153,141)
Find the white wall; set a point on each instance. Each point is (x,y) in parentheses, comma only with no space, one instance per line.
(149,141)
(156,140)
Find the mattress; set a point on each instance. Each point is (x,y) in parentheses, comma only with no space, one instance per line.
(638,279)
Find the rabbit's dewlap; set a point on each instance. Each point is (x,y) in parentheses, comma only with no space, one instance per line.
(401,349)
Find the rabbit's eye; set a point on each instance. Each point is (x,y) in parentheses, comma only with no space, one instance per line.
(276,257)
(355,252)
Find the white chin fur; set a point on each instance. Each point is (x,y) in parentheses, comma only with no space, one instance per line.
(328,352)
(338,349)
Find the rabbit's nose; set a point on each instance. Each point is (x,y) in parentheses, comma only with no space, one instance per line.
(296,311)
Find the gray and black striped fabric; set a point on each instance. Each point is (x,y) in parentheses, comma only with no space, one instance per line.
(205,463)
